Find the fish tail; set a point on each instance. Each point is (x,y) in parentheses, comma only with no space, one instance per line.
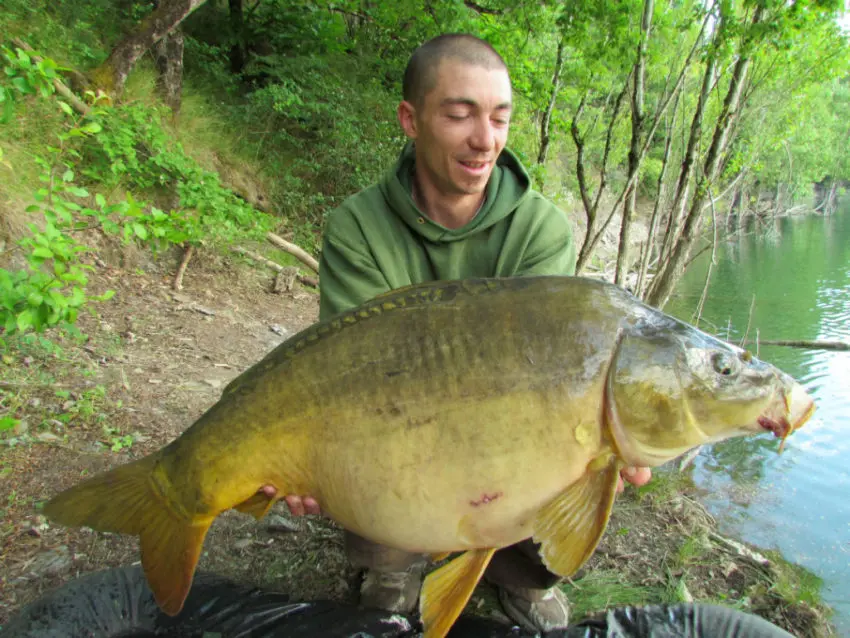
(126,501)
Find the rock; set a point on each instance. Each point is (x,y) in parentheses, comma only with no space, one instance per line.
(51,562)
(278,523)
(213,383)
(278,330)
(47,437)
(243,543)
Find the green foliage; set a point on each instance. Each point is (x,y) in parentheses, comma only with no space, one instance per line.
(132,148)
(51,289)
(110,146)
(23,77)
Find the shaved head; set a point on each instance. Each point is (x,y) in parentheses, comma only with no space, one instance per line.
(420,77)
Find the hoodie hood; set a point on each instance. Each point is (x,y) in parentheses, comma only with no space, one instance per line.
(508,186)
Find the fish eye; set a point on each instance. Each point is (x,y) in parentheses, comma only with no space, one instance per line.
(723,364)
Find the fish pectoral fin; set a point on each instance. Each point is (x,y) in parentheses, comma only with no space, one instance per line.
(571,526)
(126,501)
(446,590)
(257,506)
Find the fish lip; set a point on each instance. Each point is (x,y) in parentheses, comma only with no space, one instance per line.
(782,427)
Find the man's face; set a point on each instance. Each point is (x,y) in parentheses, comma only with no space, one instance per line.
(461,127)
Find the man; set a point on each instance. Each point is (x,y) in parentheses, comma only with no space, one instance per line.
(457,204)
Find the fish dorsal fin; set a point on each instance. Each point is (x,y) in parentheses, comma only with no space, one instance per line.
(570,527)
(446,590)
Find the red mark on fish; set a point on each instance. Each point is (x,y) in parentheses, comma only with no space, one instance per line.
(485,498)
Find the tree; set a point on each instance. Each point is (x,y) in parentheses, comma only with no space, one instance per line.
(168,14)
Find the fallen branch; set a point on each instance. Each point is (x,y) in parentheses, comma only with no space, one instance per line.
(307,281)
(741,549)
(61,87)
(295,251)
(178,278)
(813,345)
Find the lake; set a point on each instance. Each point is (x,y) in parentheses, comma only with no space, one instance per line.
(798,271)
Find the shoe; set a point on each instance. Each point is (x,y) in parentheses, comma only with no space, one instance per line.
(396,592)
(536,609)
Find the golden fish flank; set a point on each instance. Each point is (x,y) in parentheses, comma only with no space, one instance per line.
(417,429)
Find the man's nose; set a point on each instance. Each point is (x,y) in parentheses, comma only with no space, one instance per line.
(483,137)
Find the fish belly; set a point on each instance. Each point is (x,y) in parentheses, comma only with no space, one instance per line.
(468,478)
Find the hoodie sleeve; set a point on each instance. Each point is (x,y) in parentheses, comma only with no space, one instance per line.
(348,273)
(550,249)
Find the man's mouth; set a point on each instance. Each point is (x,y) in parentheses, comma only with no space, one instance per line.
(473,167)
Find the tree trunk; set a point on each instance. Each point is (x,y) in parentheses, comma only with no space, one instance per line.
(673,268)
(680,195)
(112,74)
(169,63)
(547,115)
(237,26)
(634,148)
(590,239)
(659,202)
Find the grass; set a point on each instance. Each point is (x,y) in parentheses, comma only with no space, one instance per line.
(794,583)
(604,589)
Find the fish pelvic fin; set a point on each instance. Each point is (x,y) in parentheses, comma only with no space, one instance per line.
(257,506)
(570,527)
(446,590)
(126,500)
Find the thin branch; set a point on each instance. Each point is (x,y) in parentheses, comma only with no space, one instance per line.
(749,320)
(482,10)
(711,264)
(309,281)
(815,345)
(181,270)
(61,88)
(294,250)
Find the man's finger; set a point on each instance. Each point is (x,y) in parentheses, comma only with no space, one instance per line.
(296,505)
(637,476)
(312,506)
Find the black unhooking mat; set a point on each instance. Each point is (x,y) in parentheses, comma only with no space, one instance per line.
(117,603)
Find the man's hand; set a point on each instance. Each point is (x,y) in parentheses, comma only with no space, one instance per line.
(299,506)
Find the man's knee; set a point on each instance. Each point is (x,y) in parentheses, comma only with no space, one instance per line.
(365,554)
(520,566)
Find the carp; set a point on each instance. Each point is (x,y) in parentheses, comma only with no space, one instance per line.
(452,416)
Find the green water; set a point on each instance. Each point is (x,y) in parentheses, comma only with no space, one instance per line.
(799,502)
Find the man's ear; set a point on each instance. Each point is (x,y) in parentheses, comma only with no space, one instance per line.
(407,118)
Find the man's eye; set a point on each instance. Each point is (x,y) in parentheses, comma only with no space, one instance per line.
(454,116)
(500,122)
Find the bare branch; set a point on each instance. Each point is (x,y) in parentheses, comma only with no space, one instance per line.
(294,250)
(482,10)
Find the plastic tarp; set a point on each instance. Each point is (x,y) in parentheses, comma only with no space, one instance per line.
(117,603)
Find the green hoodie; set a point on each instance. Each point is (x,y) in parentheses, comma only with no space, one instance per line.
(378,240)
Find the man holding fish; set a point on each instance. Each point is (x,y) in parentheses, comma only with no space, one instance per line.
(457,204)
(467,415)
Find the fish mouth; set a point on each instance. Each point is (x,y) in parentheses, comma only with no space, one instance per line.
(799,408)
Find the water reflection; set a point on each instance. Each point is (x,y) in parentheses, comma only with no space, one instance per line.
(799,272)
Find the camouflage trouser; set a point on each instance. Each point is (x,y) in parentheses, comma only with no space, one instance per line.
(519,565)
